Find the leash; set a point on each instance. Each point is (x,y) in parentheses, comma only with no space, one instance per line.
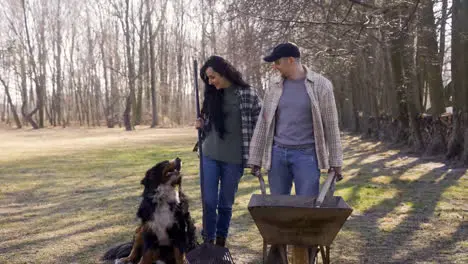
(200,150)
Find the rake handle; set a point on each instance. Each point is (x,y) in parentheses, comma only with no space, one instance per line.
(200,149)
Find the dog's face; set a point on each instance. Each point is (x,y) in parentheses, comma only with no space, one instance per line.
(164,173)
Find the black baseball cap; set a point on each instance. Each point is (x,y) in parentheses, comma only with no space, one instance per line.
(282,50)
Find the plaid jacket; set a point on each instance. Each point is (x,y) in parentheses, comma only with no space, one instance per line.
(250,106)
(325,122)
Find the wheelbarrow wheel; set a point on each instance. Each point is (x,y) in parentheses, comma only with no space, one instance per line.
(305,255)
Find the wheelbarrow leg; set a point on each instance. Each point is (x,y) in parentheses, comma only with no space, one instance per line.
(284,255)
(313,254)
(325,252)
(277,255)
(265,251)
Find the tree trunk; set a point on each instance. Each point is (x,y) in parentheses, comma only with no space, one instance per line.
(431,59)
(71,82)
(138,107)
(41,89)
(443,23)
(464,72)
(106,77)
(10,102)
(355,101)
(459,61)
(163,68)
(203,30)
(152,35)
(4,109)
(79,100)
(29,116)
(397,48)
(410,60)
(180,55)
(131,69)
(391,85)
(97,98)
(211,4)
(51,114)
(114,61)
(24,87)
(58,59)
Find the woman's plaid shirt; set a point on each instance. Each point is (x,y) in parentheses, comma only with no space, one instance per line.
(250,106)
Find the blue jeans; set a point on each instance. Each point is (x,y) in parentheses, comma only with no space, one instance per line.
(218,205)
(298,165)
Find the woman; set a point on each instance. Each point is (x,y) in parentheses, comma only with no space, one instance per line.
(229,113)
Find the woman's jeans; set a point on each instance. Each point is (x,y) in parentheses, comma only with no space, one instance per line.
(218,204)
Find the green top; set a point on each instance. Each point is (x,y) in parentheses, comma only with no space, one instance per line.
(229,149)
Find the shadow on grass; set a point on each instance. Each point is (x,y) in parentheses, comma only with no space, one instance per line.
(83,194)
(395,246)
(57,201)
(407,241)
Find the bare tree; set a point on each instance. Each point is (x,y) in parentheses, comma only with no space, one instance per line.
(33,66)
(458,145)
(10,103)
(152,63)
(126,19)
(179,40)
(163,70)
(142,34)
(58,62)
(122,60)
(431,59)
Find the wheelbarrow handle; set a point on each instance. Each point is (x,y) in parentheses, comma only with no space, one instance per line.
(326,187)
(259,175)
(332,175)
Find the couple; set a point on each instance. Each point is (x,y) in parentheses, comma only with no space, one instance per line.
(293,135)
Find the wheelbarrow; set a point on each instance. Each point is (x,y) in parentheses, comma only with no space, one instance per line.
(309,224)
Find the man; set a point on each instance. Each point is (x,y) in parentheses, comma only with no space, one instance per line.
(297,132)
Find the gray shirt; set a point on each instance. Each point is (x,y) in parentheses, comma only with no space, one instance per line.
(228,149)
(294,125)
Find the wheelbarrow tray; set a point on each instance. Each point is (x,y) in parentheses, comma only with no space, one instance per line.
(295,220)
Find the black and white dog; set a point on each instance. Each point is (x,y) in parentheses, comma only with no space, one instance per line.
(167,230)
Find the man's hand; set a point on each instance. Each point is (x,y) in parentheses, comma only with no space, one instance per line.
(255,170)
(337,171)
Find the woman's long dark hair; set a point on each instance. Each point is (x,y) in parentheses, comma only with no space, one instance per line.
(213,101)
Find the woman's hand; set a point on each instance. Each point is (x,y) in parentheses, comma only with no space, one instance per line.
(199,123)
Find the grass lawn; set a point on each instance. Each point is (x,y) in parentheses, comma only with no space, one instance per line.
(66,195)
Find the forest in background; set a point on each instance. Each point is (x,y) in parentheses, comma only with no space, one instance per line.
(399,67)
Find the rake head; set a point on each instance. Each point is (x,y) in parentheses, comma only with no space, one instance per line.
(209,254)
